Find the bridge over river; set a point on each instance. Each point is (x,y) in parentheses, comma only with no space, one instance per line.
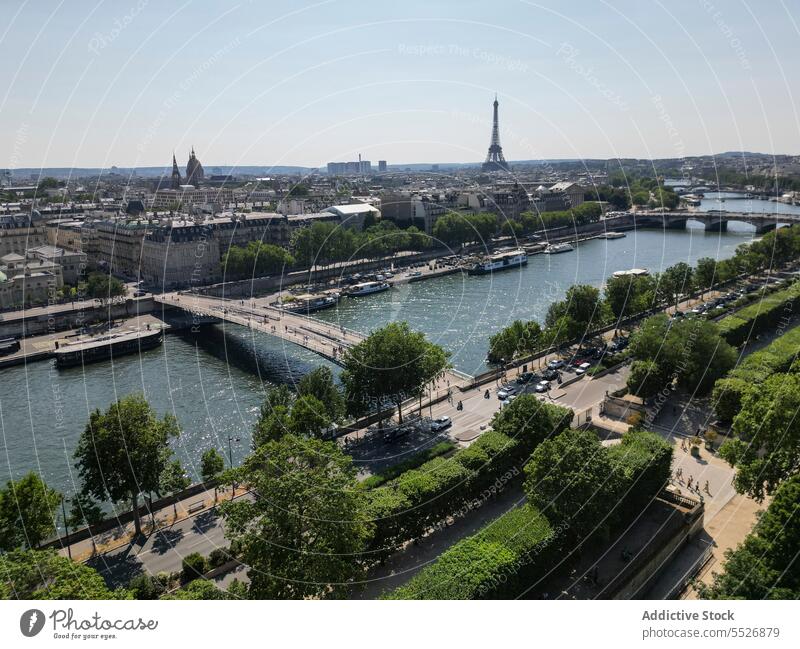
(317,336)
(714,220)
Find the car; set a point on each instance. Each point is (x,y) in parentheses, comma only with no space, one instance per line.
(549,375)
(581,369)
(139,293)
(542,386)
(678,314)
(525,377)
(556,363)
(506,391)
(441,423)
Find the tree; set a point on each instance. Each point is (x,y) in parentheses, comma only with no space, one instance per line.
(271,425)
(519,338)
(198,589)
(85,511)
(43,574)
(676,281)
(579,313)
(172,480)
(309,418)
(212,464)
(104,287)
(27,512)
(123,451)
(646,379)
(392,364)
(568,479)
(705,273)
(320,384)
(303,530)
(691,351)
(765,565)
(531,421)
(627,295)
(766,447)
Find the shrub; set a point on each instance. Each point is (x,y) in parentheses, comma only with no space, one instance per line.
(144,586)
(219,557)
(194,565)
(761,316)
(491,564)
(778,356)
(404,508)
(392,472)
(517,548)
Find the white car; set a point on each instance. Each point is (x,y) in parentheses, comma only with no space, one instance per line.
(441,423)
(582,368)
(542,386)
(556,364)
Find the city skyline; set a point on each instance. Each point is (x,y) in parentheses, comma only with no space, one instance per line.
(301,86)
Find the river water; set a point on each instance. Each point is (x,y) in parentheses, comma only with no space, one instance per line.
(214,382)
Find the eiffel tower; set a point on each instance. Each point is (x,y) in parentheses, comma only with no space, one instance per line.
(494,158)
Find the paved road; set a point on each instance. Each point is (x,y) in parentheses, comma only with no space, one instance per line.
(164,550)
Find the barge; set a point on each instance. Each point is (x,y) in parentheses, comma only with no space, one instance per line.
(107,347)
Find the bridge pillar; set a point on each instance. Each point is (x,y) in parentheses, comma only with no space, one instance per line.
(677,224)
(763,228)
(716,226)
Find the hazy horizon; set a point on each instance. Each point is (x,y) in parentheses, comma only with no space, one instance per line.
(98,85)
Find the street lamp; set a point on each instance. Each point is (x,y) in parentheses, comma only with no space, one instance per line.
(66,524)
(232,438)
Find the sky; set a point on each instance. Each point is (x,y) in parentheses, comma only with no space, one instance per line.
(299,82)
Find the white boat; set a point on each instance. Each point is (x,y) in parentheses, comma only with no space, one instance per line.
(367,288)
(556,248)
(535,248)
(613,235)
(500,261)
(636,272)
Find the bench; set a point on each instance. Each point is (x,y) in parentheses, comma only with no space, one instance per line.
(196,507)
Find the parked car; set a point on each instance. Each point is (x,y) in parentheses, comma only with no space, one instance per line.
(441,423)
(556,364)
(550,375)
(582,368)
(542,386)
(525,377)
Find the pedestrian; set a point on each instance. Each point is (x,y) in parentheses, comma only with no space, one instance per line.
(706,489)
(691,480)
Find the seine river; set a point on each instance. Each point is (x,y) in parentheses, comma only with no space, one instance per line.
(213,383)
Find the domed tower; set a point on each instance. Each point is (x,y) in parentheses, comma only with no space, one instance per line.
(176,174)
(194,170)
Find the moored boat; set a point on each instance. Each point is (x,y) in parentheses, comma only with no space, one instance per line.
(557,248)
(367,288)
(500,261)
(106,347)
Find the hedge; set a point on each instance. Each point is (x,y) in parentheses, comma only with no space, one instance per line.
(778,356)
(494,563)
(404,508)
(761,316)
(516,549)
(392,472)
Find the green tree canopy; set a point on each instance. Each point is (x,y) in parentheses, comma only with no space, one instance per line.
(766,447)
(103,287)
(392,364)
(123,451)
(568,479)
(27,512)
(765,565)
(303,531)
(43,574)
(321,385)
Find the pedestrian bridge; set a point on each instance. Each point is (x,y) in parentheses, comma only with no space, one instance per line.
(322,338)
